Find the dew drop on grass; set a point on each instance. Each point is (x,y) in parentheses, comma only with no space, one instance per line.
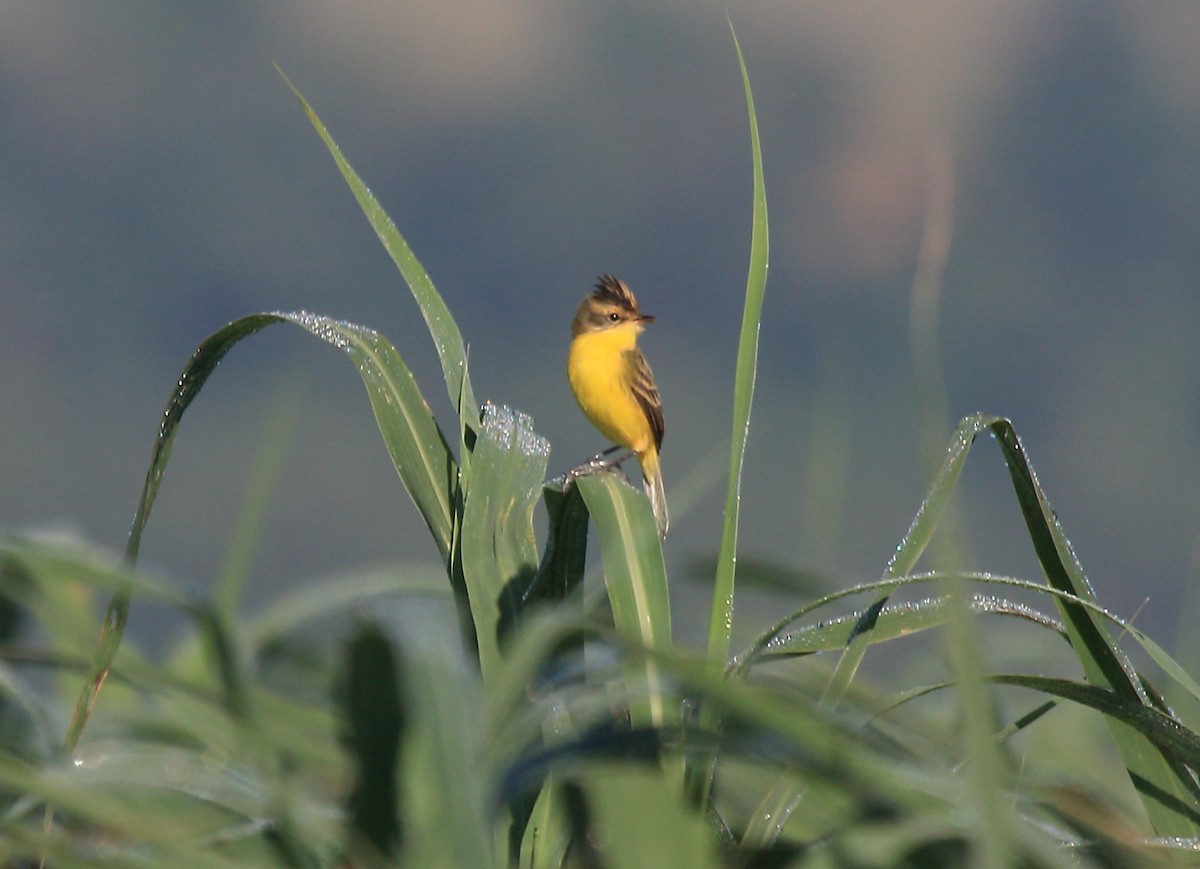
(529,442)
(336,332)
(513,429)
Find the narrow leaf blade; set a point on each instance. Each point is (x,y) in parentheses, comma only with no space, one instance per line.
(721,622)
(442,328)
(634,573)
(1168,792)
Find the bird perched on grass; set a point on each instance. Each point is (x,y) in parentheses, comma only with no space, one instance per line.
(613,384)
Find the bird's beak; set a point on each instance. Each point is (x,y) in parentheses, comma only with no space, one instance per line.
(646,318)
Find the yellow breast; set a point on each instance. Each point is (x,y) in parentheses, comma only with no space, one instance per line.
(600,377)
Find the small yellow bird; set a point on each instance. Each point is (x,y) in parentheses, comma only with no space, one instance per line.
(613,383)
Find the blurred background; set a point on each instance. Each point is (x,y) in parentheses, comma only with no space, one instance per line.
(157,180)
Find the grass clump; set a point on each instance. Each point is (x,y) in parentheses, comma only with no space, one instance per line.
(492,710)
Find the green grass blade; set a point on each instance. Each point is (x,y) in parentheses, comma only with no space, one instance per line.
(442,328)
(1101,659)
(375,721)
(29,720)
(112,630)
(195,374)
(498,548)
(773,811)
(822,744)
(549,633)
(410,434)
(444,788)
(54,581)
(418,451)
(621,797)
(633,574)
(1169,665)
(896,622)
(546,839)
(564,560)
(830,633)
(519,456)
(779,633)
(721,622)
(412,437)
(919,534)
(128,793)
(1178,743)
(1169,794)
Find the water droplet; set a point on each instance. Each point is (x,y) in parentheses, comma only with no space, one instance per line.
(328,329)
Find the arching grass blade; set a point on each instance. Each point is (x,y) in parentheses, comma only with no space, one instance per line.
(418,451)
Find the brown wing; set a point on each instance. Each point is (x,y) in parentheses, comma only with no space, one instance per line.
(646,393)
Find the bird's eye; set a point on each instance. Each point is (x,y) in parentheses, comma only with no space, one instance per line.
(614,317)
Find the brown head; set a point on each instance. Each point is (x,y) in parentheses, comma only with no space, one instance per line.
(610,305)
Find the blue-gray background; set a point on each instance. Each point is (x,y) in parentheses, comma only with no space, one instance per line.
(158,180)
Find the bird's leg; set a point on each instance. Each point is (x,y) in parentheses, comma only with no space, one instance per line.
(597,464)
(599,460)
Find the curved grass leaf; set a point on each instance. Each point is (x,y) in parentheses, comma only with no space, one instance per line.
(498,548)
(895,622)
(633,573)
(157,805)
(1175,811)
(410,434)
(808,738)
(1101,659)
(924,524)
(200,366)
(444,786)
(1179,745)
(44,577)
(765,642)
(721,622)
(418,451)
(48,579)
(442,328)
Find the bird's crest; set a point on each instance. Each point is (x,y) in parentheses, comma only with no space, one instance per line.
(613,291)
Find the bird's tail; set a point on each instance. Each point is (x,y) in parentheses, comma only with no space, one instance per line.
(653,482)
